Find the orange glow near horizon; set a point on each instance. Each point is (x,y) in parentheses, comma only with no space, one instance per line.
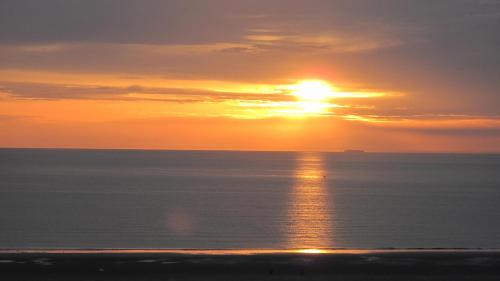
(39,109)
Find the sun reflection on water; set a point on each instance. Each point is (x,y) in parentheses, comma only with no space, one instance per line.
(309,221)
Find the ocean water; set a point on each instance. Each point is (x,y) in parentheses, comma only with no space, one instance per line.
(237,200)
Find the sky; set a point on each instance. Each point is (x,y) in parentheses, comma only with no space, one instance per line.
(393,75)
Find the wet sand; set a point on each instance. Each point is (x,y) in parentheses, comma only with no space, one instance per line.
(250,265)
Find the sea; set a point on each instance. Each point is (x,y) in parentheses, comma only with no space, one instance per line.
(153,199)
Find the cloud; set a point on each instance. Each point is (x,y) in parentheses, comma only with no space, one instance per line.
(464,132)
(131,93)
(111,21)
(317,43)
(452,128)
(434,124)
(10,117)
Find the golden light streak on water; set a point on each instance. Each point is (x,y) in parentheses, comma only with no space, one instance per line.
(309,220)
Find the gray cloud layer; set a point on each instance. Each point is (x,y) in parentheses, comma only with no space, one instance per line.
(198,21)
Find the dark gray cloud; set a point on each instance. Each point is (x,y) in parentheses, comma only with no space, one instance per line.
(142,21)
(116,21)
(199,21)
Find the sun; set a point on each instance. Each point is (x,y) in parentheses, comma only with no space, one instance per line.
(312,90)
(312,96)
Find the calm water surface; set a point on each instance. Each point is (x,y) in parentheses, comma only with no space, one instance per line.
(193,199)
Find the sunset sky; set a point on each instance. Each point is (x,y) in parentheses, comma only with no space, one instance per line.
(399,76)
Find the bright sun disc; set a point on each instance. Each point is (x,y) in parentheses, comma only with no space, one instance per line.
(312,90)
(312,97)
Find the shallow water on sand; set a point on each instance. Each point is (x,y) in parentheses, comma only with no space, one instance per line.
(193,199)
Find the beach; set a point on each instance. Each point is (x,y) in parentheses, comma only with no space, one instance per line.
(435,264)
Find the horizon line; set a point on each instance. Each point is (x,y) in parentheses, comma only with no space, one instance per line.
(346,151)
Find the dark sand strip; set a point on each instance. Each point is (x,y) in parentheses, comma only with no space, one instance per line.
(197,265)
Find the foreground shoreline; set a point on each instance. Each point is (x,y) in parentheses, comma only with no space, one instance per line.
(342,264)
